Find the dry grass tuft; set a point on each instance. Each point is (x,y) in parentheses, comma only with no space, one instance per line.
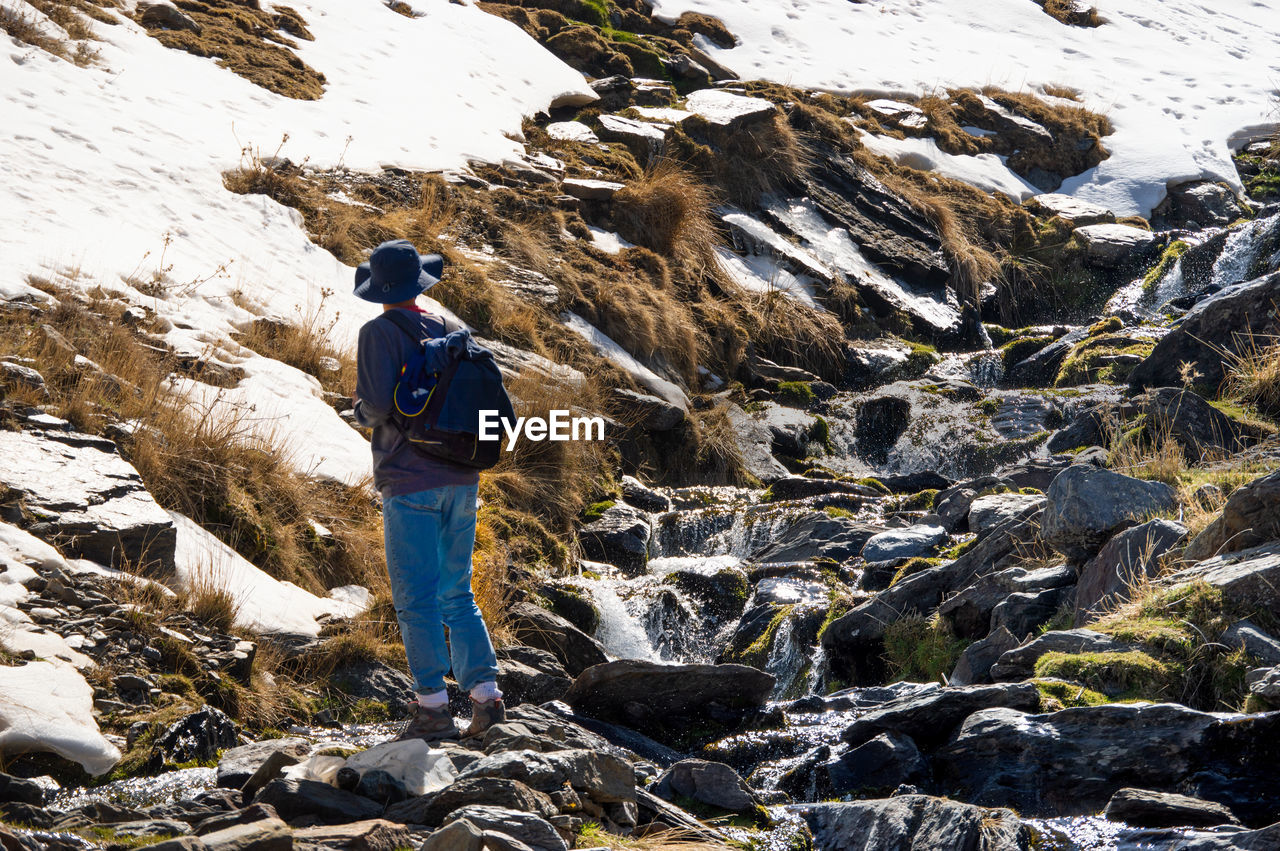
(249,41)
(1253,374)
(213,605)
(1072,13)
(306,344)
(73,18)
(668,210)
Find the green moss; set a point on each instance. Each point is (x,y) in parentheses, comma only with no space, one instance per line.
(1168,257)
(797,393)
(836,511)
(954,552)
(597,509)
(838,607)
(988,406)
(1131,675)
(820,433)
(875,484)
(922,356)
(922,650)
(756,654)
(1016,351)
(919,501)
(913,566)
(108,836)
(1087,362)
(1055,695)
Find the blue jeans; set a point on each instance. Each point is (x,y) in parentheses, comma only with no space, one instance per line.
(429,536)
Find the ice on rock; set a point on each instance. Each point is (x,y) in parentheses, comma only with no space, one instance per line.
(46,707)
(988,172)
(610,350)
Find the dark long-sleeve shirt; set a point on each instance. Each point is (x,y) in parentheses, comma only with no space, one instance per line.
(398,468)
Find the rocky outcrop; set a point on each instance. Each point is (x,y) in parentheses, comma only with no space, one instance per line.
(1114,246)
(915,822)
(928,718)
(1019,663)
(1250,517)
(620,537)
(1073,761)
(1123,563)
(1249,579)
(1196,425)
(1223,322)
(668,702)
(82,496)
(1087,505)
(543,630)
(1144,808)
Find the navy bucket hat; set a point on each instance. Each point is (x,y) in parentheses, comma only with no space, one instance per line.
(395,272)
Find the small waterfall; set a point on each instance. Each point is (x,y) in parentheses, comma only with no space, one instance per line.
(1248,249)
(621,632)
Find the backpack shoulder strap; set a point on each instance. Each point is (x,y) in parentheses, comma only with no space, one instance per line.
(451,325)
(403,323)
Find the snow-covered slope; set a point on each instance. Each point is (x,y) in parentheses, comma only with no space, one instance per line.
(115,170)
(98,164)
(1182,79)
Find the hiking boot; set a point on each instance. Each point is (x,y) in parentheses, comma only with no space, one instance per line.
(484,715)
(430,725)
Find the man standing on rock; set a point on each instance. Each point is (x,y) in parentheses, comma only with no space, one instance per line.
(428,507)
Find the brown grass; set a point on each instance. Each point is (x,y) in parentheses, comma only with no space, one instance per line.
(1253,374)
(1070,13)
(305,342)
(668,210)
(213,605)
(249,41)
(71,15)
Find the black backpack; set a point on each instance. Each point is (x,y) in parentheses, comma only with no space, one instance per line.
(441,392)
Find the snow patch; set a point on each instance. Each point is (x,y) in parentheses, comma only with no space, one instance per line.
(610,350)
(987,172)
(265,604)
(46,707)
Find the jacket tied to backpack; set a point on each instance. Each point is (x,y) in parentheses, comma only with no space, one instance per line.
(441,393)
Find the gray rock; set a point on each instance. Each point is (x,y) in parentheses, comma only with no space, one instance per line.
(1022,612)
(266,835)
(668,701)
(881,421)
(543,630)
(1248,636)
(988,512)
(729,111)
(953,504)
(1195,424)
(1071,762)
(652,413)
(711,783)
(754,441)
(884,762)
(584,189)
(816,535)
(238,764)
(1217,839)
(928,718)
(620,538)
(644,138)
(533,830)
(914,823)
(1145,808)
(645,498)
(198,736)
(1196,205)
(522,684)
(460,835)
(654,810)
(20,790)
(974,664)
(433,810)
(221,821)
(1248,578)
(1223,322)
(373,679)
(1087,505)
(1071,209)
(1266,684)
(1040,368)
(1250,517)
(1019,663)
(165,16)
(327,804)
(903,543)
(20,375)
(1111,246)
(601,776)
(1124,562)
(85,498)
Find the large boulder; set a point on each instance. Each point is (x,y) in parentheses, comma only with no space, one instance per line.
(712,783)
(600,775)
(1196,205)
(670,702)
(885,762)
(1123,563)
(1144,808)
(914,823)
(307,798)
(1250,517)
(969,611)
(543,630)
(620,537)
(974,664)
(1073,761)
(82,496)
(929,717)
(754,442)
(1248,579)
(905,543)
(1195,424)
(988,512)
(815,535)
(1020,662)
(1111,246)
(432,810)
(531,830)
(1087,505)
(1221,323)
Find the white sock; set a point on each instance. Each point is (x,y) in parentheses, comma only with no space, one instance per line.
(485,692)
(439,700)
